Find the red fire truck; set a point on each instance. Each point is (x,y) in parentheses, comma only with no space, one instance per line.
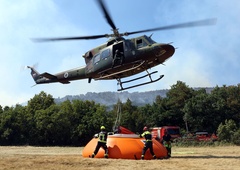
(158,132)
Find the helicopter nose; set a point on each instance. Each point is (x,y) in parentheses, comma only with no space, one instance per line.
(163,52)
(169,49)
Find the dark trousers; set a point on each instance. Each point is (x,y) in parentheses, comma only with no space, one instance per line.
(168,146)
(169,150)
(148,145)
(117,60)
(99,145)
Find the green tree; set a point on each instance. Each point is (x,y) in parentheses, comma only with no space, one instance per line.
(233,103)
(92,117)
(236,137)
(44,126)
(200,113)
(226,131)
(62,124)
(174,103)
(160,112)
(14,126)
(1,110)
(129,113)
(39,102)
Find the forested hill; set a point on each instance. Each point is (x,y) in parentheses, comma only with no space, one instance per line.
(111,98)
(42,122)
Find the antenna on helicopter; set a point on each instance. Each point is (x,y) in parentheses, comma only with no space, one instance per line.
(150,35)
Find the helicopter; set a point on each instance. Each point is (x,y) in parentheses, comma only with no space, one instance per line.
(118,58)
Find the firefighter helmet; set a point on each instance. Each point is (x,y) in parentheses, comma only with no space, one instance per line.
(102,127)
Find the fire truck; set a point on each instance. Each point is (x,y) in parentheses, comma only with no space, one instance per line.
(158,132)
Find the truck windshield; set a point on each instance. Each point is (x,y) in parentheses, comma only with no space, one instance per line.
(173,131)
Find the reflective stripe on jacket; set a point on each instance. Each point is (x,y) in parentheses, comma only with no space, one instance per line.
(147,135)
(102,137)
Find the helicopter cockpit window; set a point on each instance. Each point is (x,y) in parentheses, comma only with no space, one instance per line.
(149,39)
(141,43)
(96,58)
(105,54)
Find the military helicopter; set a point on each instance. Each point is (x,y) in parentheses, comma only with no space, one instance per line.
(119,57)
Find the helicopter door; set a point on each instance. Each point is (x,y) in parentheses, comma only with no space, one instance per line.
(119,47)
(118,54)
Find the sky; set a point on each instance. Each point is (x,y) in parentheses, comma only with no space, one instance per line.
(205,56)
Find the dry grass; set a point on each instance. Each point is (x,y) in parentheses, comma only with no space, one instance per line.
(192,158)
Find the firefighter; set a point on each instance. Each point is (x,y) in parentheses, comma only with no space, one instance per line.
(118,57)
(102,142)
(148,143)
(166,140)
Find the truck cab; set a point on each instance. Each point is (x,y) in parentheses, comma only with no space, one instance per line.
(158,132)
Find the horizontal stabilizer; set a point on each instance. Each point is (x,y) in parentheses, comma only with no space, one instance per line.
(52,77)
(47,75)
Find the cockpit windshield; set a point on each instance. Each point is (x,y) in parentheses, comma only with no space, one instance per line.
(144,41)
(149,39)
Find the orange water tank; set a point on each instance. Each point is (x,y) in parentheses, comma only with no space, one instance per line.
(124,146)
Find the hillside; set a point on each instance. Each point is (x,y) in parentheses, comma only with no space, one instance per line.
(111,98)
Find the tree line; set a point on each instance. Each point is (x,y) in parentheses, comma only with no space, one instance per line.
(42,122)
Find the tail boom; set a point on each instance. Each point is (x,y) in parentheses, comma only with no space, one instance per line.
(63,77)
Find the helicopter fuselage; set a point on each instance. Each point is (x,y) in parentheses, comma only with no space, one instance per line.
(135,55)
(134,52)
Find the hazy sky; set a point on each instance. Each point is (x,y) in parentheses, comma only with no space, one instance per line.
(205,56)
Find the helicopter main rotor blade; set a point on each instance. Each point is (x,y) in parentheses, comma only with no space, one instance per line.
(106,13)
(116,34)
(109,20)
(70,38)
(175,26)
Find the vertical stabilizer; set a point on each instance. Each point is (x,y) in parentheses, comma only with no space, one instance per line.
(34,73)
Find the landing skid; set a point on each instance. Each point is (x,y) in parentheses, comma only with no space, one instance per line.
(148,74)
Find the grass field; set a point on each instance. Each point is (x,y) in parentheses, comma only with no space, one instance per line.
(70,158)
